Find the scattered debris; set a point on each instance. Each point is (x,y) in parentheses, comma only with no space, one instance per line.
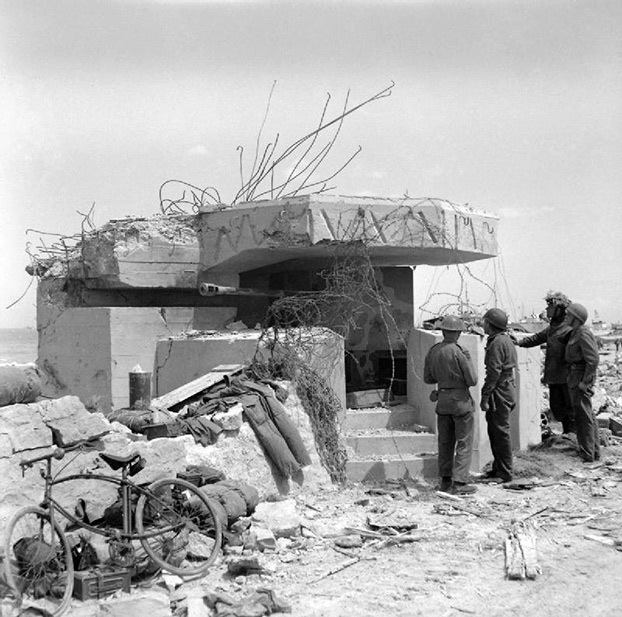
(521,557)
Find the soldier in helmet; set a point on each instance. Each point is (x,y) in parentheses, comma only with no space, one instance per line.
(582,359)
(449,365)
(498,393)
(555,369)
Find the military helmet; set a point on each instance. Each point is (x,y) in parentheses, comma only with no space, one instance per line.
(497,318)
(577,310)
(452,323)
(557,298)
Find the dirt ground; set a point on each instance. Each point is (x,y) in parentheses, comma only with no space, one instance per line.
(458,566)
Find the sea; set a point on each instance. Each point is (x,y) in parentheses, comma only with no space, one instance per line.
(18,345)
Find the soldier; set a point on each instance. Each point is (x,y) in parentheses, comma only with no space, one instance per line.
(498,393)
(555,369)
(582,359)
(449,365)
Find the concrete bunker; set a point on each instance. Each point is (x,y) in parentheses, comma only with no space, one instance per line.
(129,293)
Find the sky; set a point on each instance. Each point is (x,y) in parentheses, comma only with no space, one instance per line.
(511,107)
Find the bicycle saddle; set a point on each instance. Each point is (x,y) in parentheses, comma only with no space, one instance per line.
(116,461)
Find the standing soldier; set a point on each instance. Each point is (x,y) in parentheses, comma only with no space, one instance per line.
(582,360)
(555,369)
(498,393)
(449,365)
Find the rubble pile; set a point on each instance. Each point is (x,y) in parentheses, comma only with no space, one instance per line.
(607,401)
(92,250)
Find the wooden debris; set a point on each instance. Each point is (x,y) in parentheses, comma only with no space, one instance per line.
(349,541)
(336,569)
(615,542)
(535,513)
(457,503)
(366,533)
(194,387)
(392,522)
(521,557)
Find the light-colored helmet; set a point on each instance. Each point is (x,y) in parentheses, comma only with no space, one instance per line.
(452,323)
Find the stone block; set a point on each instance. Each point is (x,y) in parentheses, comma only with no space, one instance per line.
(25,427)
(70,422)
(280,517)
(231,420)
(264,538)
(367,398)
(164,457)
(615,424)
(6,447)
(603,420)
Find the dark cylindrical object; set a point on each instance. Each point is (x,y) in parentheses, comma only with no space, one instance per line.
(19,384)
(140,389)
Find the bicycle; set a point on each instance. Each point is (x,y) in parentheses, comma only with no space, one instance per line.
(175,523)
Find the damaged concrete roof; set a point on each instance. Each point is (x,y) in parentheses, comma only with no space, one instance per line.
(178,251)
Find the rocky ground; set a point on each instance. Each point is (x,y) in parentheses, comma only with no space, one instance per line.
(340,557)
(456,565)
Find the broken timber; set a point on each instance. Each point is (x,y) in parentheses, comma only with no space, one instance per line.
(192,388)
(521,557)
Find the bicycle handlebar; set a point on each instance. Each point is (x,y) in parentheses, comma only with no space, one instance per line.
(57,453)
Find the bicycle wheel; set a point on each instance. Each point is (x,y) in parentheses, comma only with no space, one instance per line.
(184,532)
(37,561)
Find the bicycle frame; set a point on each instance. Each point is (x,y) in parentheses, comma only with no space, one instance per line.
(127,487)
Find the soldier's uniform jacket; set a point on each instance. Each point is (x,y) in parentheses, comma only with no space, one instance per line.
(500,361)
(582,357)
(449,365)
(556,337)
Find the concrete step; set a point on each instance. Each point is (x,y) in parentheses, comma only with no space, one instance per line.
(395,417)
(391,468)
(382,442)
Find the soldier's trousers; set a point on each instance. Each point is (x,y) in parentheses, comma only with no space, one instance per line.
(561,406)
(455,443)
(501,403)
(588,438)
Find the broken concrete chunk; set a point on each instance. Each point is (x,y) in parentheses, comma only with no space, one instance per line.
(603,419)
(200,546)
(25,427)
(230,420)
(280,517)
(6,448)
(264,538)
(615,425)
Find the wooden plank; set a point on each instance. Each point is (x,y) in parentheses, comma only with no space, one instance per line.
(514,567)
(521,556)
(192,388)
(527,542)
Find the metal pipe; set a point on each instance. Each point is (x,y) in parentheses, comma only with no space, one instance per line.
(140,388)
(209,289)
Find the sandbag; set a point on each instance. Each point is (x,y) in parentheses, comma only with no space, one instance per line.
(33,553)
(200,475)
(232,502)
(134,419)
(19,384)
(246,491)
